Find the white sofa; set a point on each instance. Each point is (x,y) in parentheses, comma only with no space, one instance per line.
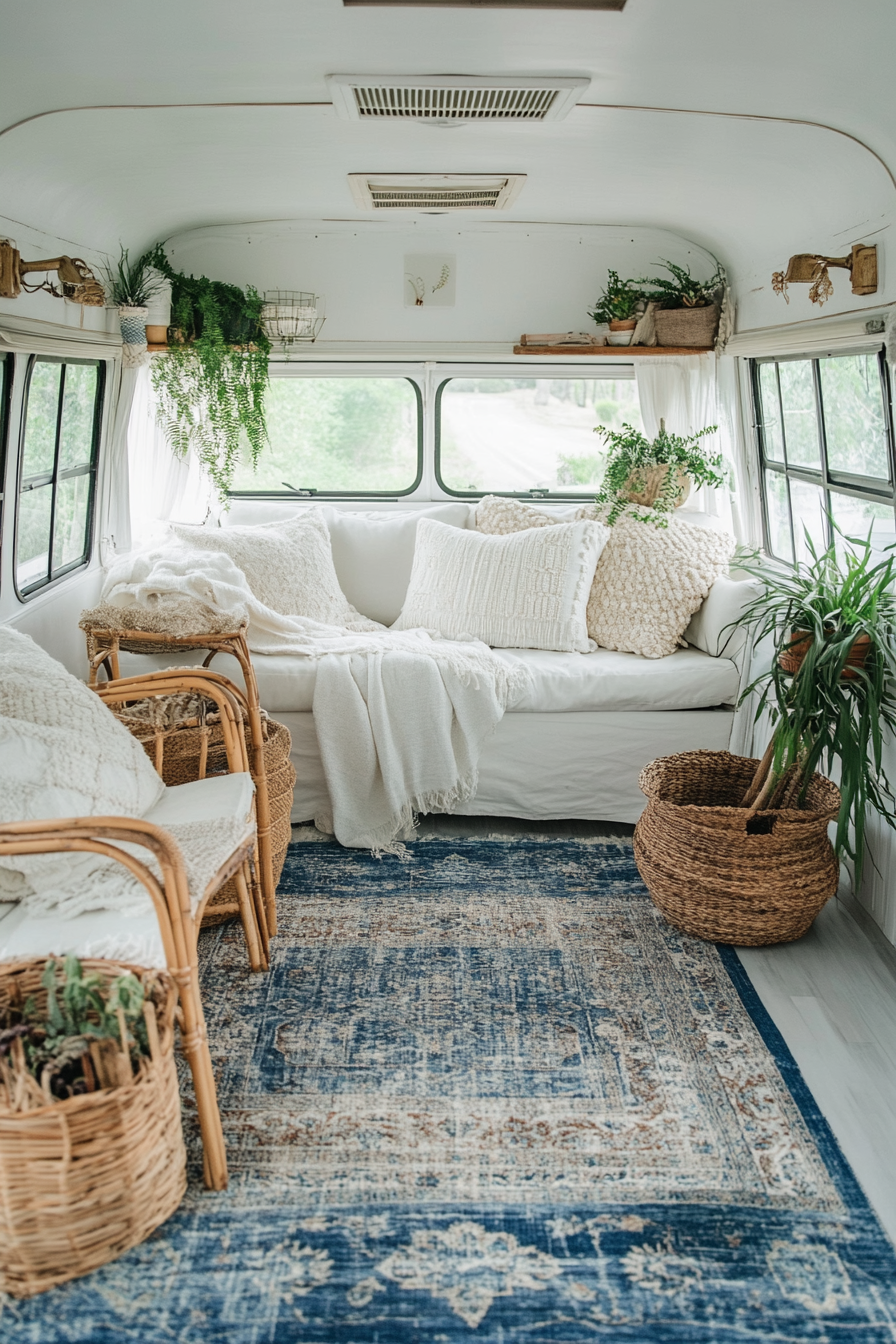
(574,746)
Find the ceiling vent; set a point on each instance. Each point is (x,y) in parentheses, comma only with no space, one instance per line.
(435,191)
(452,100)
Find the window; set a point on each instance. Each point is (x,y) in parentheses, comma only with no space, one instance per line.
(826,450)
(57,469)
(525,435)
(339,435)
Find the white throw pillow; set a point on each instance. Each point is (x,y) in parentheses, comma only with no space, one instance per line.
(288,566)
(649,580)
(62,754)
(527,591)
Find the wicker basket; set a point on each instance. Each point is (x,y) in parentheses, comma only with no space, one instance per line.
(724,873)
(83,1180)
(687,326)
(645,485)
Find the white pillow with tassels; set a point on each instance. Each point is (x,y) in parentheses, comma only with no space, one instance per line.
(525,591)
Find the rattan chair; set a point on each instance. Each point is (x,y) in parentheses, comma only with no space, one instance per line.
(104,645)
(177,924)
(233,714)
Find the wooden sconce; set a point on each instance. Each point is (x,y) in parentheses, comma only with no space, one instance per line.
(77,280)
(807,268)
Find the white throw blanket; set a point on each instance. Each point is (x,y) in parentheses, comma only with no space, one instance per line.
(400,716)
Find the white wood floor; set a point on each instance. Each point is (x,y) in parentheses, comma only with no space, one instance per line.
(832,996)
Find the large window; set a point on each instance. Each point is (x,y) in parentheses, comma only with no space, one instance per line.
(525,435)
(57,469)
(826,451)
(342,435)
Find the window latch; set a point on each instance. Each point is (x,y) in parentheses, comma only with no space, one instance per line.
(306,493)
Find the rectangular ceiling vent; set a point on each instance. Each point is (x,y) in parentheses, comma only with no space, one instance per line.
(435,191)
(451,100)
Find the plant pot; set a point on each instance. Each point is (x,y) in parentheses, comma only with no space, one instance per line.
(694,327)
(156,335)
(644,486)
(133,325)
(84,1180)
(621,331)
(790,660)
(726,874)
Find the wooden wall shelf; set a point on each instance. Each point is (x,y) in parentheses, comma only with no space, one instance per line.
(610,351)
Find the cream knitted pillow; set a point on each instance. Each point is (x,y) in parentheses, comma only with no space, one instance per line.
(288,566)
(649,581)
(526,591)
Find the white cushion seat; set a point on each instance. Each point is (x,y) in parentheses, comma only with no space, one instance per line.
(562,682)
(136,937)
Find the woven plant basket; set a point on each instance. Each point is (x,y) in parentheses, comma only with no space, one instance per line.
(726,874)
(84,1180)
(644,486)
(687,326)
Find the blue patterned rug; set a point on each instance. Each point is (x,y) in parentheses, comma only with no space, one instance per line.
(490,1095)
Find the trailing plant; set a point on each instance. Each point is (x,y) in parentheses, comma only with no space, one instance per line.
(821,717)
(620,300)
(682,291)
(131,284)
(631,457)
(53,1045)
(211,384)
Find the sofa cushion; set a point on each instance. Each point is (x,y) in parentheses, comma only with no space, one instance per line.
(373,554)
(528,590)
(562,682)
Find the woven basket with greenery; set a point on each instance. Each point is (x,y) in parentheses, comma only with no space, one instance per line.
(85,1178)
(695,327)
(722,872)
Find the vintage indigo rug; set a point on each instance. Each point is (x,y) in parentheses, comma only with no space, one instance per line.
(489,1094)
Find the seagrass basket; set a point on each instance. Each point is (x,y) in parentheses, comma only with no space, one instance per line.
(722,872)
(84,1180)
(687,326)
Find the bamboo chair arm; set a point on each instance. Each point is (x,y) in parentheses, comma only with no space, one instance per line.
(156,684)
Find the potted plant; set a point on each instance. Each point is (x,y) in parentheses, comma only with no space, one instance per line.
(211,383)
(658,475)
(131,287)
(737,850)
(687,310)
(830,691)
(620,305)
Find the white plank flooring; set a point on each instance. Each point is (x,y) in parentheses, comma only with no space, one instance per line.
(832,996)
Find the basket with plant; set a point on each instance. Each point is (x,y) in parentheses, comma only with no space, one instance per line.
(93,1154)
(737,850)
(687,309)
(657,474)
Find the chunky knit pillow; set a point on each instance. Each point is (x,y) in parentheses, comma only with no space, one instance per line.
(527,591)
(288,566)
(649,581)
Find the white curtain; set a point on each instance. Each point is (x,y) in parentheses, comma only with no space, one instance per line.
(163,487)
(116,513)
(682,390)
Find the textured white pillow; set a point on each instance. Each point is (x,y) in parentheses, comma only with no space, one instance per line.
(649,580)
(288,566)
(526,591)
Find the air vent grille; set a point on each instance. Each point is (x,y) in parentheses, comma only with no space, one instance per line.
(423,104)
(449,100)
(438,191)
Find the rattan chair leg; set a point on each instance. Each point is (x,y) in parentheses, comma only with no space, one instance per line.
(258,960)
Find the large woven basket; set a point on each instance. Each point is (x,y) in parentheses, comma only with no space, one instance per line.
(83,1180)
(726,874)
(687,326)
(181,764)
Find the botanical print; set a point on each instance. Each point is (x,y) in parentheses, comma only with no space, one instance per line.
(488,1095)
(429,280)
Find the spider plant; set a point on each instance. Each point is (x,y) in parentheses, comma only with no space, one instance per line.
(827,711)
(131,284)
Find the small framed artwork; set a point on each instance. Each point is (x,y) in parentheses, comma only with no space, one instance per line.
(429,280)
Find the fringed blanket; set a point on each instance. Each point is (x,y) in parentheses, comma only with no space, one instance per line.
(400,716)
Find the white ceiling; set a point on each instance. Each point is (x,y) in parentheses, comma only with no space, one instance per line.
(750,190)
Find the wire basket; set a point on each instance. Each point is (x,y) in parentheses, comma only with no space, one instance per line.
(291,315)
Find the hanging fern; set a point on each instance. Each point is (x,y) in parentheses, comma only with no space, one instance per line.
(211,384)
